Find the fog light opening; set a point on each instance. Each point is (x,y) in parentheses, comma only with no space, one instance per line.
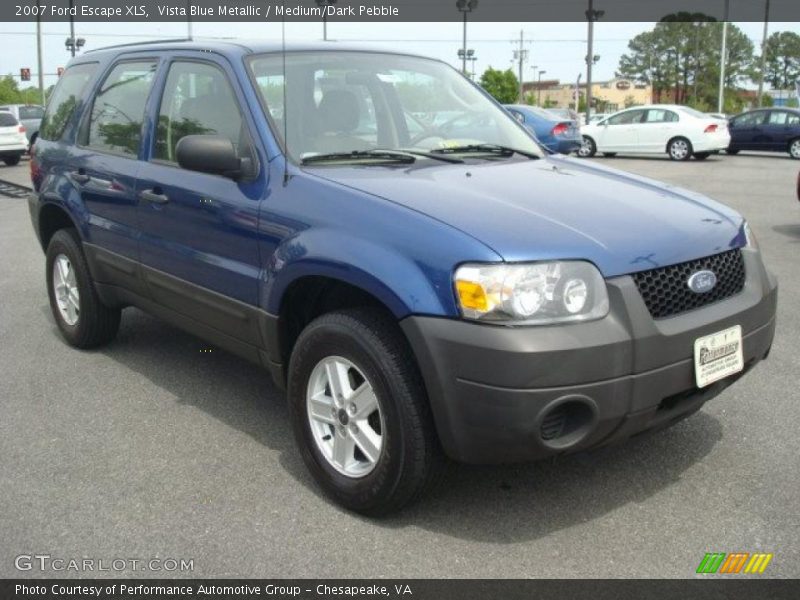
(567,421)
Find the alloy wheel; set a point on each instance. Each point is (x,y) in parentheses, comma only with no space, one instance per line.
(345,417)
(794,149)
(679,149)
(65,288)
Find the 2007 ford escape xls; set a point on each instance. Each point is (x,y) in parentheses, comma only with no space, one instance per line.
(395,248)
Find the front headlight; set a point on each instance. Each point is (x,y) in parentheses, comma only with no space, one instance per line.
(531,293)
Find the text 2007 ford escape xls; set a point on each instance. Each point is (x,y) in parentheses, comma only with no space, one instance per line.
(395,249)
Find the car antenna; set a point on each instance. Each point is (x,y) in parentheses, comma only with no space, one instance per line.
(285,104)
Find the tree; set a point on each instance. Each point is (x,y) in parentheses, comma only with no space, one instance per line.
(680,58)
(782,60)
(502,85)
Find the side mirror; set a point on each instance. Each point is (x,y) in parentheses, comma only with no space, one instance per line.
(212,154)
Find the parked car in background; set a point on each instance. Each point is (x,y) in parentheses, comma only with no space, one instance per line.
(13,143)
(766,130)
(30,115)
(679,131)
(557,135)
(596,117)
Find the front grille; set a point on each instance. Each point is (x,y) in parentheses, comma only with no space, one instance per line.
(666,291)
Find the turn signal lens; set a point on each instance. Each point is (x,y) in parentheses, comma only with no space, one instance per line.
(471,295)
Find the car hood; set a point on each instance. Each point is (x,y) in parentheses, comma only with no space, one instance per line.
(558,208)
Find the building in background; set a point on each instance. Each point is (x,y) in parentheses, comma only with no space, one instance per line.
(608,96)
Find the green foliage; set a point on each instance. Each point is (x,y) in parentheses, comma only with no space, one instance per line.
(680,58)
(502,85)
(782,68)
(11,94)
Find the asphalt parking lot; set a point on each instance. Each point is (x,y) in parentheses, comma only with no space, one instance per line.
(156,448)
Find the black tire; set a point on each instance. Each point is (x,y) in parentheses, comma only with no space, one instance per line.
(410,455)
(794,148)
(97,324)
(12,161)
(679,149)
(588,149)
(701,155)
(732,151)
(609,154)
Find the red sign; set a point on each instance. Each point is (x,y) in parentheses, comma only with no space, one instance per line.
(25,74)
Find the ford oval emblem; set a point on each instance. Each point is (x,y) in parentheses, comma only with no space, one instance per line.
(702,282)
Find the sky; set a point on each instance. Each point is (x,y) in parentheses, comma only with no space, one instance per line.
(557,48)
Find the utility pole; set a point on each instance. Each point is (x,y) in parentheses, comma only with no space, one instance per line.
(763,60)
(592,15)
(72,28)
(521,55)
(539,89)
(465,7)
(39,61)
(723,59)
(189,30)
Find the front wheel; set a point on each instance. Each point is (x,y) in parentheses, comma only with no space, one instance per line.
(701,155)
(84,321)
(588,148)
(794,148)
(732,151)
(679,149)
(360,413)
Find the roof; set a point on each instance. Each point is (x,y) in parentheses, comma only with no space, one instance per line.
(242,47)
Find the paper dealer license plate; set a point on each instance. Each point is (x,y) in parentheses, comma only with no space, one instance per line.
(718,355)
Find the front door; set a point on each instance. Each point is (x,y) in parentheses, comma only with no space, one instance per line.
(199,245)
(620,132)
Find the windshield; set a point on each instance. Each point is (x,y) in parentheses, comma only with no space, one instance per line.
(347,102)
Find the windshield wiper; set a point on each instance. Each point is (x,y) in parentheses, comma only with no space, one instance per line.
(381,156)
(495,149)
(432,156)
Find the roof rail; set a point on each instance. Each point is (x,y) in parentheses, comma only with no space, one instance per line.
(164,41)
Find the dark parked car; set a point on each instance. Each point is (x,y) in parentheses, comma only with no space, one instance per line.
(416,294)
(767,130)
(555,134)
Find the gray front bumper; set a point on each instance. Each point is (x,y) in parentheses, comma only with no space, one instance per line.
(491,388)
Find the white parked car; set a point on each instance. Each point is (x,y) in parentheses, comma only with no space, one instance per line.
(13,143)
(679,131)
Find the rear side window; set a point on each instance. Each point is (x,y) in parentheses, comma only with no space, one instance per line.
(115,123)
(64,100)
(659,115)
(198,100)
(30,112)
(7,119)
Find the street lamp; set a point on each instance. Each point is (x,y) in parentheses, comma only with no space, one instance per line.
(539,89)
(74,44)
(468,56)
(465,7)
(324,4)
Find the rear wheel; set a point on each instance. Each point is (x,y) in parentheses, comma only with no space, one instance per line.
(679,149)
(794,148)
(12,161)
(84,321)
(588,148)
(701,155)
(360,413)
(732,151)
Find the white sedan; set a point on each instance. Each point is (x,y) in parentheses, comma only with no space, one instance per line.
(679,131)
(13,142)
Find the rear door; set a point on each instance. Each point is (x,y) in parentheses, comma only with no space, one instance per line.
(105,163)
(199,245)
(659,126)
(747,130)
(780,127)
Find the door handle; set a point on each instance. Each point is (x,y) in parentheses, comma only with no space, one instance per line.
(153,197)
(80,177)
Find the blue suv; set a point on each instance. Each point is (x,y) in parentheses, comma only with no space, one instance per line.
(420,290)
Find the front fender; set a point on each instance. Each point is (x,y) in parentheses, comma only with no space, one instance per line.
(403,285)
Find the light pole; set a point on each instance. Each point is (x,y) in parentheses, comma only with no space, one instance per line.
(723,59)
(468,56)
(465,7)
(539,89)
(324,4)
(39,54)
(74,44)
(592,15)
(763,61)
